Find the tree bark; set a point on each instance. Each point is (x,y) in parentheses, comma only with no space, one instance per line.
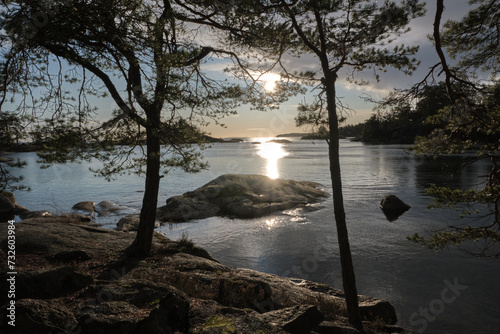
(348,277)
(144,238)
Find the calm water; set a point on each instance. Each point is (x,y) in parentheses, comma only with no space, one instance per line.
(446,292)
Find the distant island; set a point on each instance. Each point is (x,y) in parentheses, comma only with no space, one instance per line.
(295,134)
(306,136)
(279,141)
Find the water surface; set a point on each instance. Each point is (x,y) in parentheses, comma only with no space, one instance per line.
(304,244)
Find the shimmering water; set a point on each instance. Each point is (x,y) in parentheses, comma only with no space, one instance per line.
(447,292)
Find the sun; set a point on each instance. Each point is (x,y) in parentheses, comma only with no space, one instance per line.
(270,85)
(270,80)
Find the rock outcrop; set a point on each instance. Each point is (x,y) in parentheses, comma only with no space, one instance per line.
(241,196)
(179,288)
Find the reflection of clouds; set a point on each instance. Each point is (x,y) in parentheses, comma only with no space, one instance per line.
(272,152)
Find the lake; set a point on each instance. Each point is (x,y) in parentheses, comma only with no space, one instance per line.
(446,292)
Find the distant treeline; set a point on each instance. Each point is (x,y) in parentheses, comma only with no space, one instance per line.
(401,122)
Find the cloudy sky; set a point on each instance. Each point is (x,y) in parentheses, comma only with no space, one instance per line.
(251,123)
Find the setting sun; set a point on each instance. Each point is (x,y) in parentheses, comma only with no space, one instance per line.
(269,80)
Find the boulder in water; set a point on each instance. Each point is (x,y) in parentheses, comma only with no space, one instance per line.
(86,208)
(130,223)
(105,208)
(393,207)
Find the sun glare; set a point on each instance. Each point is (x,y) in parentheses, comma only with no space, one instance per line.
(269,80)
(270,85)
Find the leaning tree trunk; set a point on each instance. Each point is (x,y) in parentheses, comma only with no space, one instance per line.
(348,277)
(145,231)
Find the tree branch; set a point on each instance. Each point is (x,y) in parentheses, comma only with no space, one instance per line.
(72,55)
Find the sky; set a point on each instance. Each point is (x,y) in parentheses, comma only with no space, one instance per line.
(251,123)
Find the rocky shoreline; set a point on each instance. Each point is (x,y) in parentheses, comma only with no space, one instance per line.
(74,277)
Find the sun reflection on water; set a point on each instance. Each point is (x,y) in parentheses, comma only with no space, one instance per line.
(270,223)
(272,152)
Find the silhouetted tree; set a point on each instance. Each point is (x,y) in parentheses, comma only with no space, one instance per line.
(470,122)
(351,34)
(142,54)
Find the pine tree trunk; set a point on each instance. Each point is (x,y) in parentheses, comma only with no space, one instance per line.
(144,237)
(348,277)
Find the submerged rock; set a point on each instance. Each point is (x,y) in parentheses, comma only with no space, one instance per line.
(241,196)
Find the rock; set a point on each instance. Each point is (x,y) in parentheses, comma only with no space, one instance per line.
(393,207)
(170,316)
(19,210)
(241,196)
(50,235)
(138,292)
(6,217)
(110,317)
(119,307)
(77,217)
(128,223)
(50,283)
(39,316)
(105,208)
(7,202)
(331,327)
(209,317)
(32,214)
(86,208)
(131,223)
(372,309)
(70,256)
(296,320)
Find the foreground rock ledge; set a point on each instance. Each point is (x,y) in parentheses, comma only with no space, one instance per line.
(75,276)
(241,196)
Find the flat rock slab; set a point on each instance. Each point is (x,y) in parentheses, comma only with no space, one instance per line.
(241,196)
